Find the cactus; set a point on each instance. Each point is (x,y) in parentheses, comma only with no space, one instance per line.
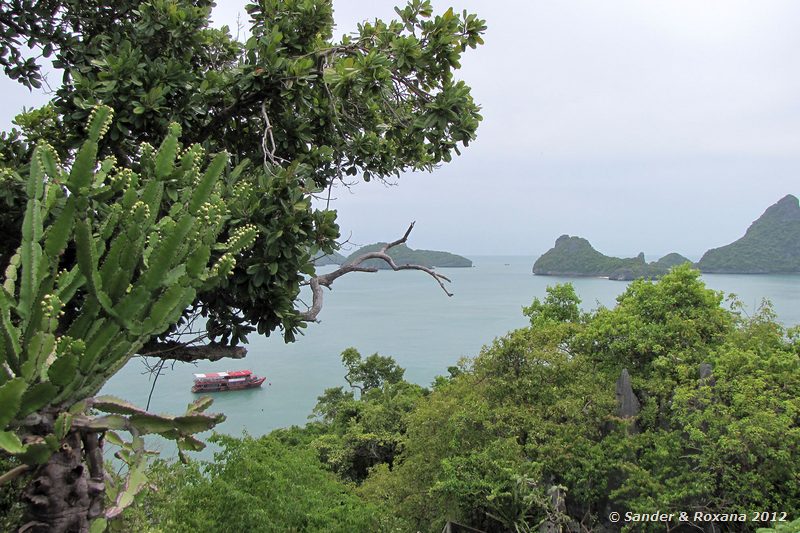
(141,258)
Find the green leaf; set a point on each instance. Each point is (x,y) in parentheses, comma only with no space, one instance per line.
(99,525)
(200,404)
(48,159)
(60,230)
(148,423)
(112,437)
(187,442)
(10,399)
(30,256)
(165,158)
(112,404)
(136,481)
(63,370)
(203,189)
(82,173)
(37,397)
(197,423)
(63,425)
(10,442)
(100,119)
(107,422)
(40,347)
(87,255)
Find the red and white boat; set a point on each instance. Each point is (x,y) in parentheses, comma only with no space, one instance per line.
(224,381)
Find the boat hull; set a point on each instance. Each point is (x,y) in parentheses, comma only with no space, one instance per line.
(223,386)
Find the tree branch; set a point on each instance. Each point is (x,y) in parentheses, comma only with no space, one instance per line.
(178,351)
(326,280)
(13,473)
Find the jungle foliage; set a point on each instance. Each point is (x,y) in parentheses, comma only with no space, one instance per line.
(403,255)
(535,412)
(575,256)
(770,245)
(108,259)
(258,485)
(109,242)
(298,109)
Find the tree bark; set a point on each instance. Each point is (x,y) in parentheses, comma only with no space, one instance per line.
(66,493)
(326,280)
(177,351)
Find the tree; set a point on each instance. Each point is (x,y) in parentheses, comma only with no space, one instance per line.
(358,434)
(311,111)
(107,261)
(372,372)
(259,485)
(560,305)
(137,248)
(535,415)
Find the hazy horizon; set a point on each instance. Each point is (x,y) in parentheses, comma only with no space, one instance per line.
(661,128)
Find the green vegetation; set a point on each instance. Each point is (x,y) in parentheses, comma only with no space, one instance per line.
(334,258)
(535,415)
(403,255)
(770,245)
(269,484)
(112,246)
(140,259)
(574,256)
(309,111)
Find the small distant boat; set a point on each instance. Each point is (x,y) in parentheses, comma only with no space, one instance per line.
(225,381)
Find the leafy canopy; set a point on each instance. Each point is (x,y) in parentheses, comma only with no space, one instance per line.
(297,110)
(537,409)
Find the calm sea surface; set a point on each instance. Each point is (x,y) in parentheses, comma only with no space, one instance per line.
(407,316)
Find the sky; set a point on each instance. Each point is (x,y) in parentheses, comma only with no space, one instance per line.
(660,126)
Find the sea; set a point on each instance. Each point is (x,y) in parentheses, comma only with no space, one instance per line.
(402,314)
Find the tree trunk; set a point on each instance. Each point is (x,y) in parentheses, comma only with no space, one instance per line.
(67,492)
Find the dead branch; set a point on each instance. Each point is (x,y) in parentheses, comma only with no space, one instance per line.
(326,280)
(267,140)
(14,473)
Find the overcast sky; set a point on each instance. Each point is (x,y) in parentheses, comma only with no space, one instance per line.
(643,126)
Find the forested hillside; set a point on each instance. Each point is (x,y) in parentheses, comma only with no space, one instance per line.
(770,245)
(669,401)
(575,256)
(403,255)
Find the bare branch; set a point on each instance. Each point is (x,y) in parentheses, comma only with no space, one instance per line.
(401,240)
(267,140)
(326,280)
(13,473)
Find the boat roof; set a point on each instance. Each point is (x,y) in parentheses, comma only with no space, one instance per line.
(230,374)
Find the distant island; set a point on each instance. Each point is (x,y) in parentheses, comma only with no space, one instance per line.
(771,244)
(403,255)
(331,259)
(575,256)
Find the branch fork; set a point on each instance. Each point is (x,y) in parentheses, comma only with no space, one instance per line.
(326,280)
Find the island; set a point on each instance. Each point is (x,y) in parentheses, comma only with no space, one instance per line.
(575,257)
(403,255)
(771,244)
(334,258)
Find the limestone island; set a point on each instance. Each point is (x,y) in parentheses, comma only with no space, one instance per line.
(771,244)
(575,257)
(403,255)
(334,258)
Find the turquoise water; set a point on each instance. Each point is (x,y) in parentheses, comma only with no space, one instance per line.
(407,316)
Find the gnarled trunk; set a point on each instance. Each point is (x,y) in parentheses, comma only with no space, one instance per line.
(67,492)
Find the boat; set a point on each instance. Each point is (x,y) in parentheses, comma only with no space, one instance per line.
(225,381)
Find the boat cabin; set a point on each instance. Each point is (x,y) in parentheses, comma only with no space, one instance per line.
(223,381)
